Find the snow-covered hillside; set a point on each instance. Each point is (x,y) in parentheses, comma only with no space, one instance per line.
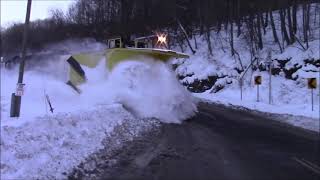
(41,144)
(217,77)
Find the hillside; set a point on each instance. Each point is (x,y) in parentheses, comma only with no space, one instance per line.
(217,77)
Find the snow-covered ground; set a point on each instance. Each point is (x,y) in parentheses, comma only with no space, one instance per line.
(52,145)
(42,145)
(288,96)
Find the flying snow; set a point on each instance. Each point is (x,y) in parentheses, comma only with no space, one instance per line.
(41,145)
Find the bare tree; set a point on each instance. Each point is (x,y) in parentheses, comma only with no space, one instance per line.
(238,19)
(208,38)
(231,39)
(260,43)
(274,32)
(283,26)
(266,21)
(290,26)
(305,22)
(294,17)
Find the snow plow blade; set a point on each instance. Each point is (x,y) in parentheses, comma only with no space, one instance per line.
(112,57)
(118,55)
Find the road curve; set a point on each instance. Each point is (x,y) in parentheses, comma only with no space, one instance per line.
(220,143)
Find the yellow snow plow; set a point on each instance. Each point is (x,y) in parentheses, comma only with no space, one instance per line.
(115,54)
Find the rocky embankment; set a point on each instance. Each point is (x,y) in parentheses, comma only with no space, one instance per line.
(282,67)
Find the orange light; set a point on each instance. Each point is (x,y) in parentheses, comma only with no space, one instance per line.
(162,39)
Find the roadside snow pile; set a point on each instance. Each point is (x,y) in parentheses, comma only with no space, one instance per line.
(291,98)
(296,54)
(38,84)
(52,145)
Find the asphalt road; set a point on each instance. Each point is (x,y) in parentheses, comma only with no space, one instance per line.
(223,144)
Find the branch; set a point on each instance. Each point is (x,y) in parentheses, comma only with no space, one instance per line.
(300,43)
(186,36)
(239,58)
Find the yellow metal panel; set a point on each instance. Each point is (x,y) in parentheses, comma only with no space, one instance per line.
(117,55)
(90,60)
(75,78)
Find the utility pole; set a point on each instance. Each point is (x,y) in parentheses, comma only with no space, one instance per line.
(16,98)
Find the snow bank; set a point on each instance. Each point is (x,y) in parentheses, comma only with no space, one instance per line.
(52,145)
(297,55)
(288,98)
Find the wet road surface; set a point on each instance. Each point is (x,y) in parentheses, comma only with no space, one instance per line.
(220,143)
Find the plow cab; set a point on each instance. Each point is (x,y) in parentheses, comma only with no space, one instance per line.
(116,42)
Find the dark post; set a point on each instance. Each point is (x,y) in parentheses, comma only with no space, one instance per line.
(241,84)
(16,100)
(257,92)
(312,99)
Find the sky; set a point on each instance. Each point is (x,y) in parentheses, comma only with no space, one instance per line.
(15,10)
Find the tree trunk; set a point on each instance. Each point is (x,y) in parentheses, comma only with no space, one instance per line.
(260,44)
(266,21)
(231,39)
(294,18)
(251,32)
(308,24)
(262,23)
(283,26)
(275,36)
(238,19)
(305,22)
(239,27)
(208,37)
(201,21)
(186,36)
(219,26)
(290,27)
(195,40)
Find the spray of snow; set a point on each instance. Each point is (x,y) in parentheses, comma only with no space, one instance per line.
(151,89)
(41,145)
(148,88)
